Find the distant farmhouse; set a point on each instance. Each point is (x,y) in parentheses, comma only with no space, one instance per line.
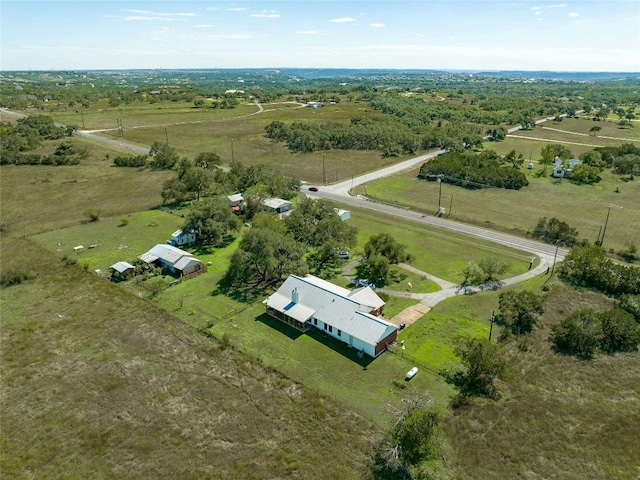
(347,315)
(180,237)
(176,261)
(562,169)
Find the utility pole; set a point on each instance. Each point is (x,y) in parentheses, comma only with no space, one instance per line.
(491,327)
(440,177)
(555,255)
(82,117)
(604,230)
(166,136)
(324,176)
(233,158)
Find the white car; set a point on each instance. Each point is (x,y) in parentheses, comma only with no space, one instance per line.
(412,373)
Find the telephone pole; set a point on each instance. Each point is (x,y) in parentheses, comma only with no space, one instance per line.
(604,230)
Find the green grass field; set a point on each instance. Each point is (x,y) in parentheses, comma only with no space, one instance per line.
(584,207)
(99,381)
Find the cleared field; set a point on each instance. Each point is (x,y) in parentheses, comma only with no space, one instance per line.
(97,383)
(559,417)
(582,206)
(236,134)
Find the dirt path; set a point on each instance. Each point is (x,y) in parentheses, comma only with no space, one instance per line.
(587,135)
(552,141)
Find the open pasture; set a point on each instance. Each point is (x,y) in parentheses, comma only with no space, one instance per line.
(582,206)
(237,135)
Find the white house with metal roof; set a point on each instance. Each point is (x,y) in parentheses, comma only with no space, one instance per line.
(347,315)
(180,237)
(173,259)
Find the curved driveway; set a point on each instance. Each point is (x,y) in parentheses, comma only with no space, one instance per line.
(340,193)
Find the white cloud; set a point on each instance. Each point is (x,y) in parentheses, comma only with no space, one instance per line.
(308,32)
(376,25)
(237,9)
(343,20)
(147,16)
(574,14)
(537,13)
(265,14)
(232,36)
(559,5)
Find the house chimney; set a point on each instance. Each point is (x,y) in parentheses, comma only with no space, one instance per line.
(294,295)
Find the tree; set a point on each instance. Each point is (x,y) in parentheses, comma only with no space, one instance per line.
(265,256)
(207,160)
(492,266)
(482,366)
(197,180)
(516,159)
(174,191)
(594,130)
(411,439)
(164,156)
(585,174)
(593,158)
(387,246)
(620,332)
(212,220)
(519,311)
(473,274)
(555,231)
(378,267)
(577,334)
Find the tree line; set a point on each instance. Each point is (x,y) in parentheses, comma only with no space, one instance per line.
(474,171)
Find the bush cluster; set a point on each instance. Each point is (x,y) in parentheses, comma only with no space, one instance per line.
(586,332)
(473,171)
(588,266)
(130,160)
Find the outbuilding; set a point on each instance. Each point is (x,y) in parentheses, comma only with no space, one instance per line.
(173,259)
(277,205)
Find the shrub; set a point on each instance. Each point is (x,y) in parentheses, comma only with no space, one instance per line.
(12,277)
(620,332)
(93,215)
(577,334)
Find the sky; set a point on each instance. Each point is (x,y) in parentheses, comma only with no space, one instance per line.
(569,35)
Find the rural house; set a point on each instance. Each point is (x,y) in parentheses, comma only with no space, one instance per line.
(180,237)
(173,259)
(562,169)
(277,205)
(347,315)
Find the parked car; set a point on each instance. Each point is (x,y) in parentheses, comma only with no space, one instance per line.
(313,189)
(361,282)
(412,373)
(344,255)
(402,326)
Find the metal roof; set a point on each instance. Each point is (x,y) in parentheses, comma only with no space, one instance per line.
(121,267)
(275,203)
(330,304)
(366,296)
(168,253)
(184,262)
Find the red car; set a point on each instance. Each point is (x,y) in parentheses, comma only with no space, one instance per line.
(313,189)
